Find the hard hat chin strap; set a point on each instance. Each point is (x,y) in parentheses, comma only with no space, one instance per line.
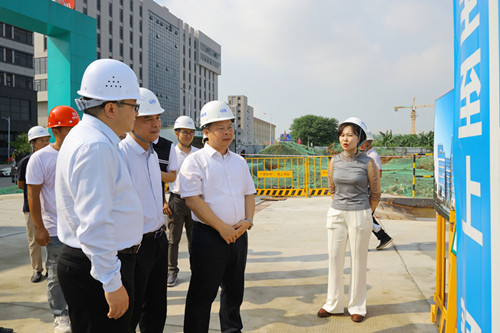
(141,139)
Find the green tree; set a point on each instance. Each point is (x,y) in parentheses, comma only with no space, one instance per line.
(320,131)
(21,145)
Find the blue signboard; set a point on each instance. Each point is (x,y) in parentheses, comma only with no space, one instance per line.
(475,164)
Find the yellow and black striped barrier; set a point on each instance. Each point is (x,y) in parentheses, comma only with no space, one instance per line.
(290,175)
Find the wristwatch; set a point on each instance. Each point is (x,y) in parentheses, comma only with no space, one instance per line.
(251,222)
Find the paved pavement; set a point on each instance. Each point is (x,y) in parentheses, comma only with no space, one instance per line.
(286,276)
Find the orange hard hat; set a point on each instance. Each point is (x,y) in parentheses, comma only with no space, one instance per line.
(63,115)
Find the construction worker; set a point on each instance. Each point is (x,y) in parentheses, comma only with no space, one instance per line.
(150,304)
(218,188)
(40,177)
(354,184)
(180,213)
(38,138)
(100,217)
(378,231)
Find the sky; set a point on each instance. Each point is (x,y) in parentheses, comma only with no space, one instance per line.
(330,58)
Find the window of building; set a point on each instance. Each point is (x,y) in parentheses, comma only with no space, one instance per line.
(131,21)
(121,32)
(98,18)
(8,31)
(85,10)
(121,15)
(140,42)
(45,43)
(23,36)
(98,41)
(131,37)
(8,79)
(98,5)
(41,65)
(140,73)
(23,82)
(84,1)
(140,57)
(131,5)
(110,28)
(131,54)
(98,55)
(110,45)
(140,25)
(140,11)
(110,9)
(121,2)
(121,50)
(23,59)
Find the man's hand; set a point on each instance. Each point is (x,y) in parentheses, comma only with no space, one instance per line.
(42,236)
(228,233)
(241,227)
(118,302)
(166,209)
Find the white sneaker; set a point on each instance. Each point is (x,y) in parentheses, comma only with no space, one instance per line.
(61,324)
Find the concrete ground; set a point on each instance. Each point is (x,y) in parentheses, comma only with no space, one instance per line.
(286,276)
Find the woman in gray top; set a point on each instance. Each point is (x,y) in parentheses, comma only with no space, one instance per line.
(354,184)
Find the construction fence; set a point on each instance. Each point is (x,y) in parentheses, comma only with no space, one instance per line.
(292,175)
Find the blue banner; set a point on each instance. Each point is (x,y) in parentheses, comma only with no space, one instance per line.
(475,161)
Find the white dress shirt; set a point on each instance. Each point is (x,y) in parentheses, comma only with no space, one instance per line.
(41,170)
(145,172)
(222,181)
(98,209)
(375,157)
(181,156)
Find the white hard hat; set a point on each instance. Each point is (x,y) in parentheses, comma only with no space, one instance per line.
(215,111)
(107,80)
(361,124)
(149,104)
(184,122)
(37,132)
(369,135)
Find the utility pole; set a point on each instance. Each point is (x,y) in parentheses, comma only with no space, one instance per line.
(413,114)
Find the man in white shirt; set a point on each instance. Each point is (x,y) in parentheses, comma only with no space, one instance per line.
(100,217)
(150,308)
(378,231)
(219,190)
(180,214)
(40,178)
(38,138)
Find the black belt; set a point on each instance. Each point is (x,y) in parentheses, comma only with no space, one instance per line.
(154,234)
(175,195)
(130,250)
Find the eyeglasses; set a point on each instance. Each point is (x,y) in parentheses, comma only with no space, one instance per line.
(187,132)
(136,106)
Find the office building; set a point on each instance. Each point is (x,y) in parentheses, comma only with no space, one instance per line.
(249,130)
(180,64)
(18,106)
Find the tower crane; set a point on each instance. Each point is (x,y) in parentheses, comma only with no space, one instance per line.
(413,114)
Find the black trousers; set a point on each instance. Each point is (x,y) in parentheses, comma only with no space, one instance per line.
(215,263)
(87,304)
(150,309)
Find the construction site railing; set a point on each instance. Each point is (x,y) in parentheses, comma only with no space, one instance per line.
(444,311)
(289,175)
(415,176)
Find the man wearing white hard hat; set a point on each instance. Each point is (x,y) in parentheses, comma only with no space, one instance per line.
(38,138)
(99,214)
(219,189)
(377,230)
(150,304)
(180,216)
